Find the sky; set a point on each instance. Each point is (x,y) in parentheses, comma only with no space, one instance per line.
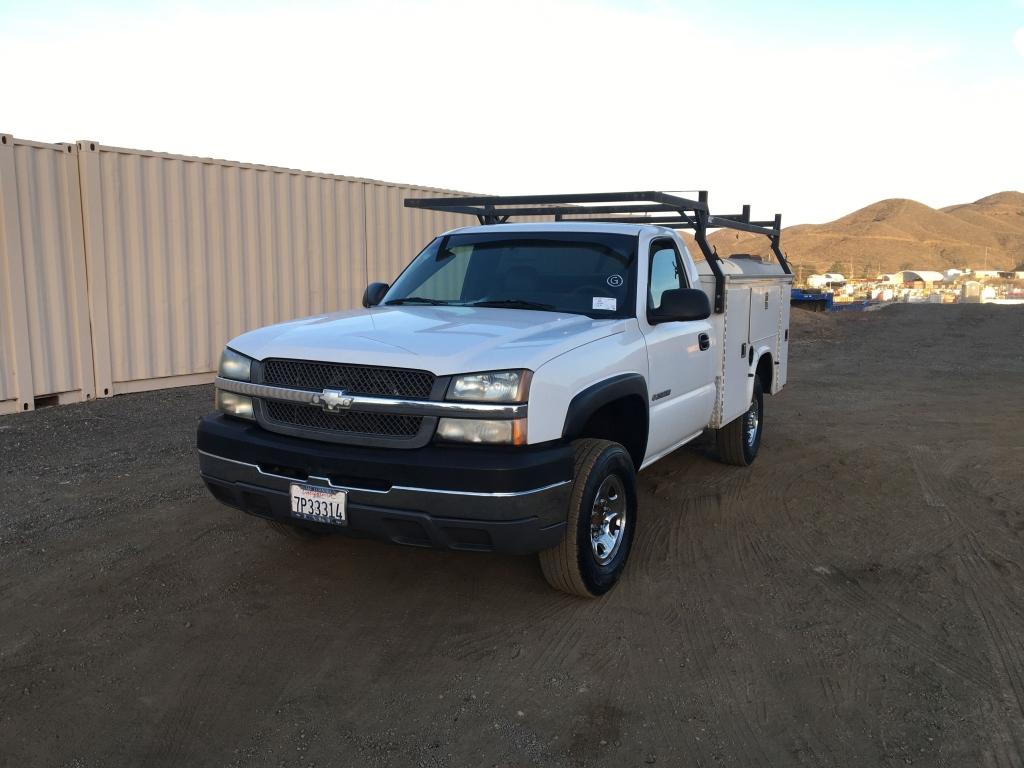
(811,109)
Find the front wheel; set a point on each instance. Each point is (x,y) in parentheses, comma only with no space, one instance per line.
(601,522)
(740,439)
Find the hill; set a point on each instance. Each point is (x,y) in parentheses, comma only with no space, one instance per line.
(901,234)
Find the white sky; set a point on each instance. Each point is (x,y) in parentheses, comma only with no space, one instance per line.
(532,97)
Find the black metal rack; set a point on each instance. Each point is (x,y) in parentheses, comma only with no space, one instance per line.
(657,208)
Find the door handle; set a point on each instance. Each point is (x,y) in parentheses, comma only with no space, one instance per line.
(704,341)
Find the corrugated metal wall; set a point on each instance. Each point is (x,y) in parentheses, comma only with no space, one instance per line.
(123,270)
(395,234)
(196,251)
(45,342)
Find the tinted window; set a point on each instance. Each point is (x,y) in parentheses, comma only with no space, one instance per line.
(579,272)
(665,273)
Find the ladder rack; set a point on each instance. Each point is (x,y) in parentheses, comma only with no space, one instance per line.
(654,208)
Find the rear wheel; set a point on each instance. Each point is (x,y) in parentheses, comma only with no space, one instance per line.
(740,439)
(601,522)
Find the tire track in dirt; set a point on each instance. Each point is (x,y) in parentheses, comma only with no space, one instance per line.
(875,612)
(986,590)
(726,500)
(668,637)
(750,540)
(762,543)
(173,739)
(746,735)
(1005,652)
(672,628)
(680,535)
(772,535)
(877,623)
(872,610)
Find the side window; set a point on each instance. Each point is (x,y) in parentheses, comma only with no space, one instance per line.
(666,272)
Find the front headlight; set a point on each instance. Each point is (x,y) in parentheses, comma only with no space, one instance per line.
(491,387)
(491,431)
(234,365)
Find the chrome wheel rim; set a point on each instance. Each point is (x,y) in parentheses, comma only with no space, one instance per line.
(608,520)
(751,422)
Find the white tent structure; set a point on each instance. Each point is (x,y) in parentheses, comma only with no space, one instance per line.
(825,280)
(910,276)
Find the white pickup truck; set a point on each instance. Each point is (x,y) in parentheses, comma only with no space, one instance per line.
(504,392)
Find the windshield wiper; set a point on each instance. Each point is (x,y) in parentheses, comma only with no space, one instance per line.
(512,304)
(417,300)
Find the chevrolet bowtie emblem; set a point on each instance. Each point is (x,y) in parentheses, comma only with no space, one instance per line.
(332,400)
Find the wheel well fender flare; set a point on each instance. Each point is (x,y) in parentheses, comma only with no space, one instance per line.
(590,400)
(586,403)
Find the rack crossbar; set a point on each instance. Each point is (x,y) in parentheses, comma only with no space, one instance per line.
(673,201)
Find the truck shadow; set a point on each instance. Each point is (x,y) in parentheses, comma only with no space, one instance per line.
(390,572)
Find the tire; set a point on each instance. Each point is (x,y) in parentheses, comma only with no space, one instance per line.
(294,531)
(736,444)
(574,566)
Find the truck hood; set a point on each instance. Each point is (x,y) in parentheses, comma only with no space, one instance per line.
(442,340)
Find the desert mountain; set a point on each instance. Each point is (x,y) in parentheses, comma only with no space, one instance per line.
(901,234)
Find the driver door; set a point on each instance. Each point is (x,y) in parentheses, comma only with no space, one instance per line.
(681,376)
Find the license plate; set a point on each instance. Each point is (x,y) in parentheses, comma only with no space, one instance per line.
(321,505)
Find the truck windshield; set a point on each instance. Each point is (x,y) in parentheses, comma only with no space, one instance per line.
(588,273)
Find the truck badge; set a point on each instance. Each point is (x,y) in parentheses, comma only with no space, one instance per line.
(334,400)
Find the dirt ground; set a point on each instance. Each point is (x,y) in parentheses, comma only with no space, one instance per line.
(855,598)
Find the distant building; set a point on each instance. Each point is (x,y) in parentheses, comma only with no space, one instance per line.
(922,275)
(911,276)
(882,294)
(970,292)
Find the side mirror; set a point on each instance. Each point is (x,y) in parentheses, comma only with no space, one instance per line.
(374,293)
(679,304)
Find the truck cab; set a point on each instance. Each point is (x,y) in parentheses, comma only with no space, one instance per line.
(504,391)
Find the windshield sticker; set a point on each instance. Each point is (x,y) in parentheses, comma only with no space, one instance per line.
(615,281)
(603,302)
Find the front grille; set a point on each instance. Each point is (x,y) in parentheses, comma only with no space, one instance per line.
(354,379)
(353,422)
